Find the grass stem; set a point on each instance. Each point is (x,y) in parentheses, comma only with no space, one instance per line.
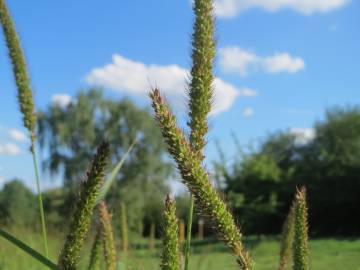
(40,202)
(188,233)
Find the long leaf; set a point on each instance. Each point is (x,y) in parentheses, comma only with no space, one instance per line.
(105,188)
(33,253)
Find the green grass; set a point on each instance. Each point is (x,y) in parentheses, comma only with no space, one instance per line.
(326,254)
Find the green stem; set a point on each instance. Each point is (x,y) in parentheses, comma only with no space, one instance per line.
(188,235)
(40,202)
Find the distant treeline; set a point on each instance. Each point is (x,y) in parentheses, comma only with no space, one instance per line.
(259,185)
(326,159)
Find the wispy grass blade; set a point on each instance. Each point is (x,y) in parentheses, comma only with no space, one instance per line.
(25,98)
(27,249)
(105,188)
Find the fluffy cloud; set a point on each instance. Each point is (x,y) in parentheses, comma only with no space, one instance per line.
(230,8)
(282,62)
(61,100)
(17,135)
(237,60)
(9,149)
(136,78)
(248,112)
(303,135)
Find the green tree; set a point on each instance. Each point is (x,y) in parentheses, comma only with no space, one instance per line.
(260,184)
(71,133)
(330,169)
(17,204)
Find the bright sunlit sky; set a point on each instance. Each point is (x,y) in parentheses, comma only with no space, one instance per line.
(279,65)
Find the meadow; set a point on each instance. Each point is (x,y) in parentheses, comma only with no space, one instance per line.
(90,229)
(326,253)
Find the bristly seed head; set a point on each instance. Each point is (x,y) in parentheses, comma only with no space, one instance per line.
(107,236)
(301,246)
(22,79)
(170,250)
(197,180)
(200,87)
(81,220)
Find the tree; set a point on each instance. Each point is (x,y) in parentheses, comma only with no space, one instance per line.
(261,184)
(17,204)
(71,133)
(330,168)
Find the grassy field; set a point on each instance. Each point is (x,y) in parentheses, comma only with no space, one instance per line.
(329,254)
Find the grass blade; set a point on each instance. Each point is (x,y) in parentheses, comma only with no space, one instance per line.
(33,253)
(105,188)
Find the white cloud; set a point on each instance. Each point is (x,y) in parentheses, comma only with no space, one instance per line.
(230,8)
(2,180)
(237,60)
(9,149)
(283,62)
(136,78)
(61,100)
(303,135)
(248,112)
(17,135)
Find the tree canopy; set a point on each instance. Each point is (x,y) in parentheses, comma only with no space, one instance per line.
(261,184)
(69,134)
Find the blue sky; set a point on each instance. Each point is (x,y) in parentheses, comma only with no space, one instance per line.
(280,64)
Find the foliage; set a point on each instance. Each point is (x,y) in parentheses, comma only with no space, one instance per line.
(260,185)
(72,133)
(17,205)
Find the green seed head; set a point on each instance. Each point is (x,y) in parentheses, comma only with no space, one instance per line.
(300,245)
(22,79)
(94,263)
(287,238)
(197,180)
(108,237)
(81,220)
(200,87)
(170,249)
